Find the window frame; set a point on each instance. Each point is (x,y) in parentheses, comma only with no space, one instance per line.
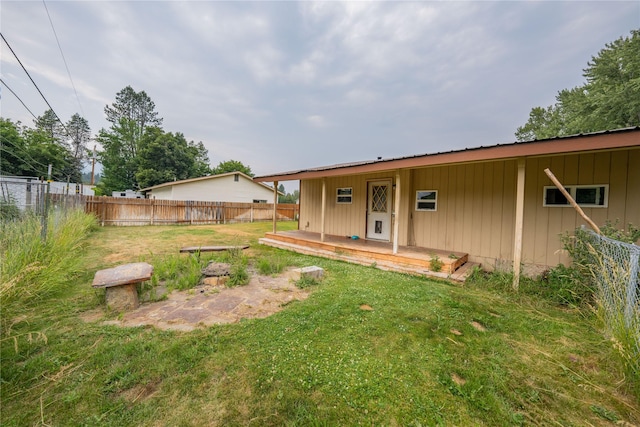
(571,189)
(434,201)
(347,195)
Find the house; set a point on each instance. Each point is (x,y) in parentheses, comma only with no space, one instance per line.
(491,205)
(128,194)
(227,187)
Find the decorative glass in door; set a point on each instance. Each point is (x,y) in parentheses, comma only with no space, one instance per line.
(379,198)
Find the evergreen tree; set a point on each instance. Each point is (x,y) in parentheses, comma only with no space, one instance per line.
(610,98)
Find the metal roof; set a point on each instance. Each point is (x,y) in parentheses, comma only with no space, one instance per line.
(626,137)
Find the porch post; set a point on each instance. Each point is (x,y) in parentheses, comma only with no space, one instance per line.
(324,207)
(275,207)
(519,224)
(396,214)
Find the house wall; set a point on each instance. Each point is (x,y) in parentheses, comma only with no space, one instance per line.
(543,225)
(476,205)
(341,219)
(475,210)
(221,189)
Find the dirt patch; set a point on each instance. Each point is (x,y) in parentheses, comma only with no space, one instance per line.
(478,326)
(208,305)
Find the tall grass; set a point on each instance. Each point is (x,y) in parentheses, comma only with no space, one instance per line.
(32,268)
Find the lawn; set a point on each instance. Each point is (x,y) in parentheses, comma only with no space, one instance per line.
(367,347)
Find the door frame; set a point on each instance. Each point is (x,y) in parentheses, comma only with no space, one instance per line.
(389,216)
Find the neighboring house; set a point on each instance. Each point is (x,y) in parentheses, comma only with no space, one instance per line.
(128,194)
(493,204)
(226,187)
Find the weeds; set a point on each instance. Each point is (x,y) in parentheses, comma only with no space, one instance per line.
(32,269)
(306,281)
(270,265)
(435,263)
(238,274)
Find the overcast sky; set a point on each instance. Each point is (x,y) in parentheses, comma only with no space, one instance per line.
(288,85)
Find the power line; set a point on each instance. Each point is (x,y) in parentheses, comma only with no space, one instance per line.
(22,102)
(25,153)
(63,58)
(34,83)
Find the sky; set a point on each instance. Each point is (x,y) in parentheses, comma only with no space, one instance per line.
(288,85)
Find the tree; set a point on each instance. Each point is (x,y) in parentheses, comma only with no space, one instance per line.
(609,99)
(12,148)
(79,134)
(50,125)
(136,107)
(28,152)
(130,115)
(232,166)
(165,157)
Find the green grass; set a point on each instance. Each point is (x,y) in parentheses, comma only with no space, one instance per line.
(416,358)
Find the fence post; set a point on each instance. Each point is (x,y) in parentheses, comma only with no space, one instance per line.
(251,214)
(152,210)
(632,286)
(104,209)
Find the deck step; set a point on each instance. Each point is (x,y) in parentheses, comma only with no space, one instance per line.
(363,260)
(461,274)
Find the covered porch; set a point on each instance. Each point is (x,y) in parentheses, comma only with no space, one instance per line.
(406,259)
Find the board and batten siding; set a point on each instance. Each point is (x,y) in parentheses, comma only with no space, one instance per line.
(218,189)
(620,170)
(340,219)
(475,210)
(476,205)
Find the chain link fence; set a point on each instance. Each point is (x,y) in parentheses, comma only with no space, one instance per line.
(616,269)
(19,195)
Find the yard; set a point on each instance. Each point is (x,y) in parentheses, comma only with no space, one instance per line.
(366,347)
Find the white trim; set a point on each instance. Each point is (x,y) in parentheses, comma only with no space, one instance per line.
(571,189)
(435,201)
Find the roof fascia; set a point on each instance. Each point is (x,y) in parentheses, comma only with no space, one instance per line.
(567,145)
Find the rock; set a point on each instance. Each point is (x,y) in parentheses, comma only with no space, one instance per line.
(216,269)
(312,272)
(215,281)
(123,297)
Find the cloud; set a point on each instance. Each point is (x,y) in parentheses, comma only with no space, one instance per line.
(317,121)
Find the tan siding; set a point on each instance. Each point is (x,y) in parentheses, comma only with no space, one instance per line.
(476,205)
(632,212)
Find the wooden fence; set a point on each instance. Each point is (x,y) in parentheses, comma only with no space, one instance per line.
(124,212)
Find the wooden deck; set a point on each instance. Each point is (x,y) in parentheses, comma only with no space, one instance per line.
(409,259)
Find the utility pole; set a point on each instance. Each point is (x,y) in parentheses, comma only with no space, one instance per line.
(93,163)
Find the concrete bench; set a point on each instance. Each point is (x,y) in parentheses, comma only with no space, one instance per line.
(196,249)
(120,284)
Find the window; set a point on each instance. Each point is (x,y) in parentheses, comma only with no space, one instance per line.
(344,195)
(259,201)
(236,177)
(426,200)
(589,196)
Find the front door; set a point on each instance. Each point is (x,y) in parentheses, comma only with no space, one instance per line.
(379,210)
